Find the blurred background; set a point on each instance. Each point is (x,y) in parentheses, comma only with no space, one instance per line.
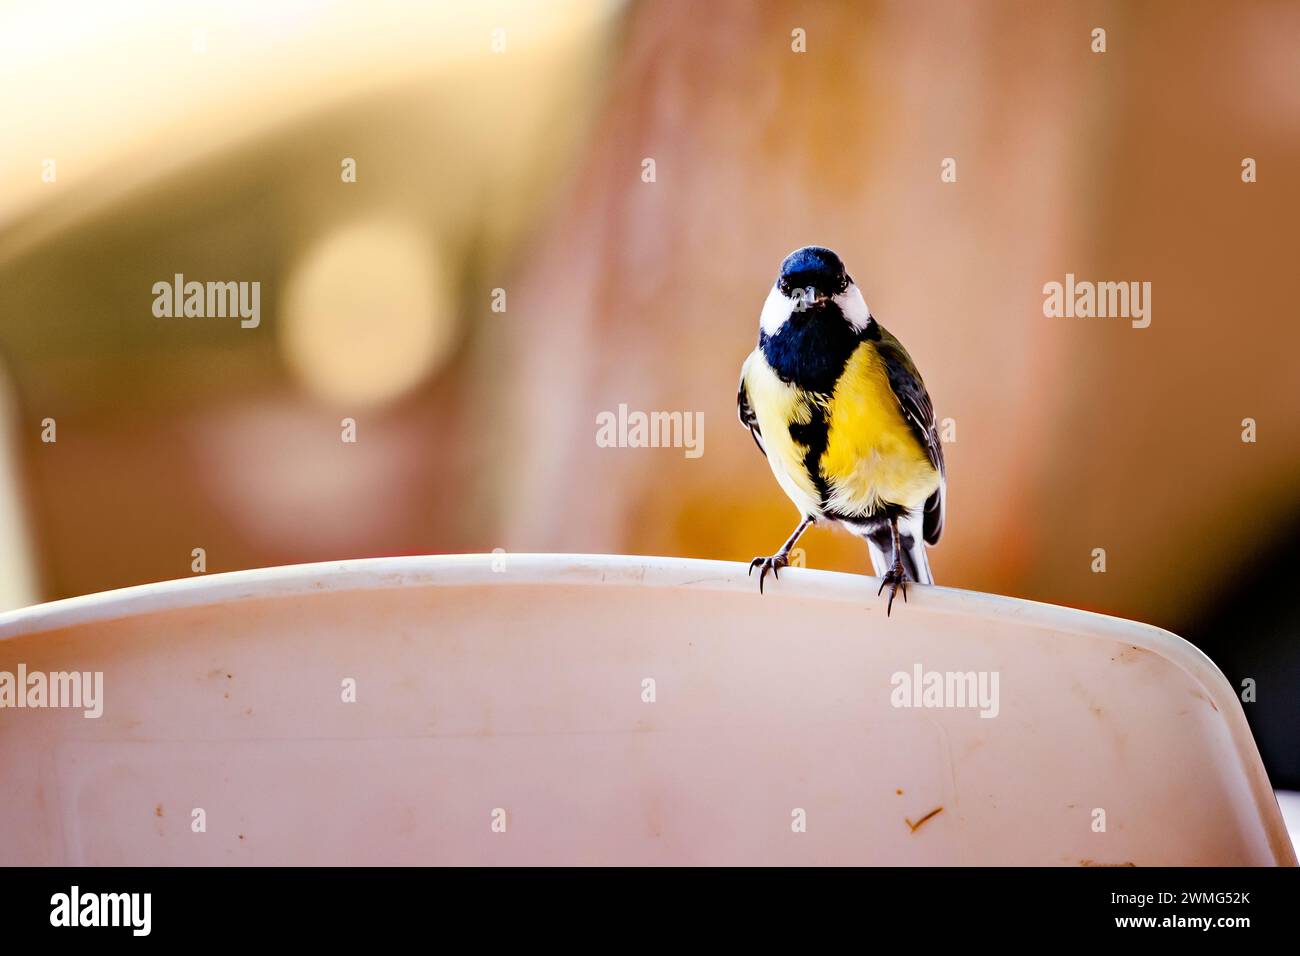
(501,146)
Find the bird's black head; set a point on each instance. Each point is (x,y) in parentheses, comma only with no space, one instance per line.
(814,289)
(815,268)
(813,319)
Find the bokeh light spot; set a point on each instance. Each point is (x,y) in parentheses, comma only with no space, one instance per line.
(367,314)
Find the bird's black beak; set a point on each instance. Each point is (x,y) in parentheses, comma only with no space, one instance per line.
(804,297)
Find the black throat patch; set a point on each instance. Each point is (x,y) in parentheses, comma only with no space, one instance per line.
(811,349)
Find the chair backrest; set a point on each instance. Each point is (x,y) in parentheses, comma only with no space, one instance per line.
(580,709)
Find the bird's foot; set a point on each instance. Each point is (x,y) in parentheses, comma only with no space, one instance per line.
(896,578)
(774,564)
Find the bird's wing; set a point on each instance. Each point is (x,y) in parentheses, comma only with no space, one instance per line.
(905,382)
(746,411)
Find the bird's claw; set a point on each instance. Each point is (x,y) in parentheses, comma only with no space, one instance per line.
(896,578)
(774,564)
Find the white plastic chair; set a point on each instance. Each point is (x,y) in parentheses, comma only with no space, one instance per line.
(562,709)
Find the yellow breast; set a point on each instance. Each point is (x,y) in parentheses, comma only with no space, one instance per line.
(777,405)
(872,455)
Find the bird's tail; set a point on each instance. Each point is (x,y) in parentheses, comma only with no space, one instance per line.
(880,545)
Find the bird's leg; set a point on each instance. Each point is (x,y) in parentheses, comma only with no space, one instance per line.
(779,560)
(896,576)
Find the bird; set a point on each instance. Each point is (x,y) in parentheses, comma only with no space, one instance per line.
(838,407)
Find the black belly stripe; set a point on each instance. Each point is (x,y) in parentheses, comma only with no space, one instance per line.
(877,518)
(813,436)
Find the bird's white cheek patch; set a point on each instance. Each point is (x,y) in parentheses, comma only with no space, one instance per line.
(854,307)
(776,310)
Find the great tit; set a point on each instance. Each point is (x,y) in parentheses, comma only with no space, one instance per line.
(839,409)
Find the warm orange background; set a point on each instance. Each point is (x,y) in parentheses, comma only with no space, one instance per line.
(521,170)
